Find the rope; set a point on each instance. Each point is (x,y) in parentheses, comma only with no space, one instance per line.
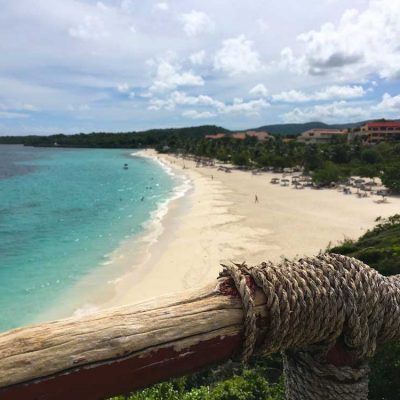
(312,304)
(306,377)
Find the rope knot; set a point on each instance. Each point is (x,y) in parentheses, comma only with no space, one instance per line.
(314,304)
(314,301)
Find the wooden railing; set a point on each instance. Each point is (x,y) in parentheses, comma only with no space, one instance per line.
(123,349)
(120,350)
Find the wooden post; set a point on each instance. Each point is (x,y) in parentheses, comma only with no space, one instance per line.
(123,349)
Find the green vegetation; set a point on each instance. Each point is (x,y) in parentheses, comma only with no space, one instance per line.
(327,174)
(262,378)
(248,386)
(297,129)
(391,176)
(327,163)
(150,138)
(380,249)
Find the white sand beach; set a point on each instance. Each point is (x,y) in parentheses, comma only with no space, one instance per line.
(218,220)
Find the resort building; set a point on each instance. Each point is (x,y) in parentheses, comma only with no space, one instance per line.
(376,132)
(320,136)
(242,135)
(259,135)
(216,136)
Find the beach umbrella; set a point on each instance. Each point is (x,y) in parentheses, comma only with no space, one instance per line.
(285,181)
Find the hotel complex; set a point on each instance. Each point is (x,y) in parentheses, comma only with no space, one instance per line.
(370,133)
(376,132)
(242,135)
(320,136)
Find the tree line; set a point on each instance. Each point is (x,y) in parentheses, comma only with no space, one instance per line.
(332,162)
(327,163)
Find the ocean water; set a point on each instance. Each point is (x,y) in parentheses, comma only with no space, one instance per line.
(62,213)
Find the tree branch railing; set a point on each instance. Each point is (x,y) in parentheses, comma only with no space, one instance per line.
(325,313)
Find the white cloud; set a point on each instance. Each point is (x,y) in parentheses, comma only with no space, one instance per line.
(340,110)
(79,107)
(159,104)
(249,108)
(102,6)
(180,98)
(204,100)
(327,93)
(92,27)
(196,23)
(169,77)
(238,106)
(262,26)
(103,52)
(361,43)
(162,6)
(292,63)
(389,103)
(84,107)
(127,5)
(237,56)
(198,115)
(340,92)
(27,107)
(291,96)
(259,91)
(123,87)
(198,57)
(12,109)
(12,115)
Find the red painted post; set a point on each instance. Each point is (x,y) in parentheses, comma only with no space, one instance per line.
(125,375)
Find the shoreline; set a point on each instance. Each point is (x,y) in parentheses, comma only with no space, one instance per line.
(100,286)
(222,223)
(217,220)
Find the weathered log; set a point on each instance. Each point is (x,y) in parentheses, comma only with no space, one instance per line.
(326,313)
(122,349)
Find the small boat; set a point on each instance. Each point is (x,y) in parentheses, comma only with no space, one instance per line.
(125,166)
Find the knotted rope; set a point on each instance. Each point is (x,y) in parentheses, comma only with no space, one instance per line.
(313,304)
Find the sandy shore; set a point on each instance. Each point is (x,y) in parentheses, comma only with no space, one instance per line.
(218,220)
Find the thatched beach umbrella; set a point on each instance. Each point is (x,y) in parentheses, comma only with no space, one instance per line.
(285,182)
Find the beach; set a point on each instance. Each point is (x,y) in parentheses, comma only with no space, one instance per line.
(218,220)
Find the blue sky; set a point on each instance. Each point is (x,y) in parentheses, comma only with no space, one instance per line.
(81,65)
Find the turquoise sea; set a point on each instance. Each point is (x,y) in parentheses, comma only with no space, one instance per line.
(62,212)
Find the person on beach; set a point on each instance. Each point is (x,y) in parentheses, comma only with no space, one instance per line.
(255,199)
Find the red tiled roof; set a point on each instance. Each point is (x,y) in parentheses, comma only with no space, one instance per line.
(258,135)
(239,135)
(216,136)
(385,124)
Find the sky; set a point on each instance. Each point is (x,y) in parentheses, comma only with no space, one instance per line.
(121,65)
